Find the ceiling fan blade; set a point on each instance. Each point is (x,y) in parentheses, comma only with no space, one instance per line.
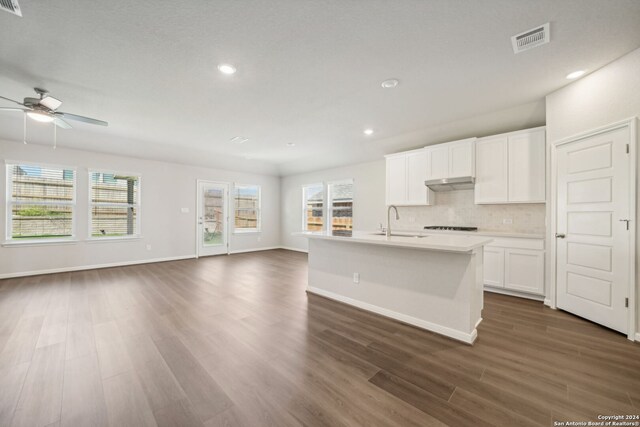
(12,100)
(12,109)
(61,123)
(81,119)
(50,102)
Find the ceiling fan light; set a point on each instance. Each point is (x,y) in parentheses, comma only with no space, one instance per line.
(39,116)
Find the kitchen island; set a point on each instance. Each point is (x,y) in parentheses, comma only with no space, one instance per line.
(432,281)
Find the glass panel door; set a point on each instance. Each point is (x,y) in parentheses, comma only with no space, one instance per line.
(213,218)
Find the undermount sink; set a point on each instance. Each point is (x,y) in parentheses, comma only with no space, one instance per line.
(380,233)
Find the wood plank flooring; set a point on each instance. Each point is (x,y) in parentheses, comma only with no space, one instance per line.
(236,341)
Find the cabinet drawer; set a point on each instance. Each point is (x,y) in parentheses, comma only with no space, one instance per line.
(517,243)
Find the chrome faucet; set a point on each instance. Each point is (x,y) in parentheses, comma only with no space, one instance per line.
(389,218)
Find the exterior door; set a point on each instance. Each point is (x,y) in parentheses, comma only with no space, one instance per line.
(593,238)
(213,218)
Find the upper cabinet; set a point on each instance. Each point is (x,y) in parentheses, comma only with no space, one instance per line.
(451,160)
(510,168)
(406,173)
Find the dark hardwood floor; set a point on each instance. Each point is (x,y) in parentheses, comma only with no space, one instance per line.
(235,341)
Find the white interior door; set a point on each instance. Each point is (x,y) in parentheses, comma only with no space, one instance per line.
(593,240)
(213,218)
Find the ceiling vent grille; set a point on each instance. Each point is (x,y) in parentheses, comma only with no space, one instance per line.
(10,6)
(530,39)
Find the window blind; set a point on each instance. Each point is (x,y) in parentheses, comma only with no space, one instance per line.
(341,205)
(247,207)
(42,201)
(313,207)
(115,204)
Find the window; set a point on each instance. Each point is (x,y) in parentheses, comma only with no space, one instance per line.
(115,205)
(41,202)
(313,207)
(247,208)
(340,194)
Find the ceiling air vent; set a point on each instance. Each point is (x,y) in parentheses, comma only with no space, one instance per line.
(11,6)
(529,39)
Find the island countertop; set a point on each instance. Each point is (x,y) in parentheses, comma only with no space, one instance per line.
(434,242)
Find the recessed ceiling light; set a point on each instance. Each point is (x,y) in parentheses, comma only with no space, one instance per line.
(239,139)
(390,84)
(291,144)
(368,132)
(575,74)
(227,69)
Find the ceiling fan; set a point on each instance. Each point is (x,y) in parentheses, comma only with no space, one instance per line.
(44,109)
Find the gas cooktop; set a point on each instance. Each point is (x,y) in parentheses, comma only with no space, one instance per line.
(449,227)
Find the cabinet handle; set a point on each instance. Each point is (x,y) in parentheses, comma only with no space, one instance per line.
(560,236)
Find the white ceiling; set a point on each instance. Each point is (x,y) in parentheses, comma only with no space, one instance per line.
(309,72)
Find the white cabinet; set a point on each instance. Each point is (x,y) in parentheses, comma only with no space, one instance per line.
(406,173)
(510,168)
(494,266)
(451,159)
(524,270)
(417,192)
(396,180)
(527,167)
(491,170)
(515,264)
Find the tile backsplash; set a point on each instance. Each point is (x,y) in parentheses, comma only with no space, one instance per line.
(456,208)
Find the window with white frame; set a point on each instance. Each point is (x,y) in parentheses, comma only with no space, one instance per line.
(41,201)
(247,208)
(313,207)
(340,205)
(114,204)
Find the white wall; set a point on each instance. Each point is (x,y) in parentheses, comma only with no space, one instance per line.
(368,198)
(608,95)
(166,188)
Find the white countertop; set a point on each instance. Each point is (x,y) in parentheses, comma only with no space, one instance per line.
(437,242)
(476,233)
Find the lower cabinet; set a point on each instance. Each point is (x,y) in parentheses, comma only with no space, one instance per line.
(515,264)
(524,270)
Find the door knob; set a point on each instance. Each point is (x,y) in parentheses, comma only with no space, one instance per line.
(560,236)
(625,221)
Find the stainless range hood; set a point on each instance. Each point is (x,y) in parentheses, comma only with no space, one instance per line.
(450,184)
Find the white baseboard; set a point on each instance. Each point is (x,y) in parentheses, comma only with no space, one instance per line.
(93,267)
(410,320)
(244,251)
(638,336)
(125,263)
(294,249)
(514,293)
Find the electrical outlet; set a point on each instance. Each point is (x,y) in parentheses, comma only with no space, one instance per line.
(259,238)
(148,247)
(356,278)
(507,221)
(412,219)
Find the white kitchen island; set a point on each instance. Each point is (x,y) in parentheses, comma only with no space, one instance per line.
(432,282)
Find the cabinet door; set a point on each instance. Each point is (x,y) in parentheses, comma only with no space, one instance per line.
(524,270)
(527,167)
(494,266)
(438,166)
(417,192)
(396,180)
(461,159)
(491,170)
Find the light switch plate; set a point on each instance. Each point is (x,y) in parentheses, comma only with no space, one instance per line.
(184,210)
